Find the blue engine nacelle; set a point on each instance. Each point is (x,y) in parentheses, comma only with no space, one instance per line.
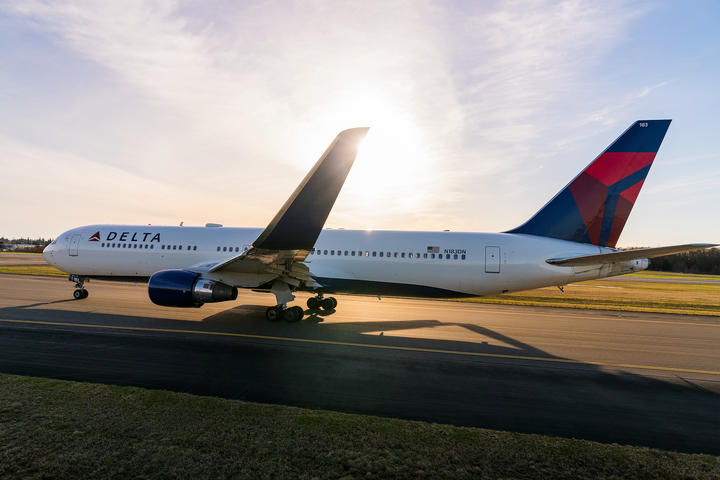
(180,288)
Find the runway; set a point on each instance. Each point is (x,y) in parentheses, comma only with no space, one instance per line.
(641,379)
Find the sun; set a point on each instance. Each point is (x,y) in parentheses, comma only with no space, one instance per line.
(392,159)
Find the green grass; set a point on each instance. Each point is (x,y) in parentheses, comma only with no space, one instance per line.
(59,429)
(45,270)
(685,308)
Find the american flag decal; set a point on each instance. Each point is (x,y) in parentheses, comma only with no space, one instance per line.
(433,249)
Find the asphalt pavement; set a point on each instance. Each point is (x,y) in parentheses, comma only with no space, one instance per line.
(630,378)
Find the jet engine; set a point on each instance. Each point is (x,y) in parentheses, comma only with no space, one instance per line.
(180,288)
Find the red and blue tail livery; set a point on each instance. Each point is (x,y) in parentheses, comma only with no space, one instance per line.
(594,207)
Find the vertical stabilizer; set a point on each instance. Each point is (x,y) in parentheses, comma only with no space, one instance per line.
(594,207)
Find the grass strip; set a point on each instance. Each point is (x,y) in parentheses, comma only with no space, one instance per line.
(60,429)
(44,270)
(601,304)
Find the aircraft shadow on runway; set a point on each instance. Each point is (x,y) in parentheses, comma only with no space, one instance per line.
(572,400)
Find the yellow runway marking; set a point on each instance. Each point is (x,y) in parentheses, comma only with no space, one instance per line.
(367,345)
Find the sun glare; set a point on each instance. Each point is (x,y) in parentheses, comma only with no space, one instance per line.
(392,158)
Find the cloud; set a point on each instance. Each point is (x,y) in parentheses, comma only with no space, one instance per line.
(647,90)
(233,102)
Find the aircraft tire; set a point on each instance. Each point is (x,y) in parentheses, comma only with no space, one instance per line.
(78,294)
(273,314)
(85,293)
(293,314)
(329,303)
(313,303)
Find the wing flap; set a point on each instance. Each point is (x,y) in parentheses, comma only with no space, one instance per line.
(626,255)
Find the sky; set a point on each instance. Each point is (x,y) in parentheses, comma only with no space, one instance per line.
(161,112)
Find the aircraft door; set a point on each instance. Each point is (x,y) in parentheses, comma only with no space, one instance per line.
(74,244)
(492,259)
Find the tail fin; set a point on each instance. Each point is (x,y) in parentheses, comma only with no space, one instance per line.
(594,207)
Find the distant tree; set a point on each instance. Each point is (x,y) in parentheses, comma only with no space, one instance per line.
(700,261)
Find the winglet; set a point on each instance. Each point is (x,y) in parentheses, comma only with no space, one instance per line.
(299,222)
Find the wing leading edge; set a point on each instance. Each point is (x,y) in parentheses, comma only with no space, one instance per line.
(293,231)
(626,255)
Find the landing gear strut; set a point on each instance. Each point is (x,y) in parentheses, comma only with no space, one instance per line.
(283,295)
(318,302)
(79,292)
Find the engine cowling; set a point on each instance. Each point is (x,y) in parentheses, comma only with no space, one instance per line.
(180,288)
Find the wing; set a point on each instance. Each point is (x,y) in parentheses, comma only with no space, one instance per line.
(285,243)
(626,255)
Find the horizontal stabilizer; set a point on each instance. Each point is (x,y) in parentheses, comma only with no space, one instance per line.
(626,255)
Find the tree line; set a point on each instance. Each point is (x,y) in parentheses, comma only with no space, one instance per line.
(700,261)
(32,245)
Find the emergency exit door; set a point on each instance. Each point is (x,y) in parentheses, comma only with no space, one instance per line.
(492,259)
(74,244)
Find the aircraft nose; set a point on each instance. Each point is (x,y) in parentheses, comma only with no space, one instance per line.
(48,252)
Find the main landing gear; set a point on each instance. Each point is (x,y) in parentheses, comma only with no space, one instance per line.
(318,302)
(284,295)
(281,312)
(79,292)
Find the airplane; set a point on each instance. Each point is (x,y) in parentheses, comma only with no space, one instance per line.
(570,239)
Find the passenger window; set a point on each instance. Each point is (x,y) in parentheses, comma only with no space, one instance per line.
(374,254)
(432,255)
(395,254)
(218,249)
(224,249)
(352,253)
(447,256)
(402,254)
(455,257)
(463,257)
(174,247)
(381,254)
(346,253)
(332,252)
(194,247)
(324,252)
(424,255)
(135,246)
(417,255)
(152,247)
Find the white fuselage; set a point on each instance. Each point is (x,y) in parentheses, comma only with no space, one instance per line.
(424,263)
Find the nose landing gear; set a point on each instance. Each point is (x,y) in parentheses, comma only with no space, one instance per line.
(80,291)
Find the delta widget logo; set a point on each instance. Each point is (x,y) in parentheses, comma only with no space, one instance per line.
(95,237)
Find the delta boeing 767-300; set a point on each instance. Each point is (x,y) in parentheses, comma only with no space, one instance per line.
(570,239)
